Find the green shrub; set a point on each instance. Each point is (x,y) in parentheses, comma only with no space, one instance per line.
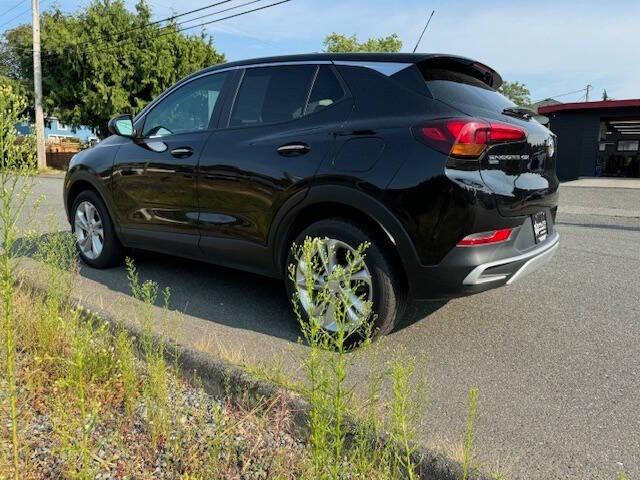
(155,388)
(328,361)
(332,398)
(16,152)
(16,170)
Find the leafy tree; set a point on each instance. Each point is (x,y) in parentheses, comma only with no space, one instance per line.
(9,77)
(517,92)
(337,42)
(92,70)
(605,95)
(19,89)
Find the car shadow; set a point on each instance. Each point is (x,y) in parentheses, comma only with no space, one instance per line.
(417,311)
(218,294)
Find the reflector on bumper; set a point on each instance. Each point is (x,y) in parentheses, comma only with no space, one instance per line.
(484,238)
(533,260)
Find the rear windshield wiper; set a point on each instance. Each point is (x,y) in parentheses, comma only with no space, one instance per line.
(519,112)
(527,114)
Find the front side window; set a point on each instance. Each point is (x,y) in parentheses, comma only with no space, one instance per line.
(272,94)
(326,90)
(187,109)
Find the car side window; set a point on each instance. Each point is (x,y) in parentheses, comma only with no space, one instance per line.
(187,109)
(272,94)
(326,90)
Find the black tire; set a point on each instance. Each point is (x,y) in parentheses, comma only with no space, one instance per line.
(389,292)
(112,251)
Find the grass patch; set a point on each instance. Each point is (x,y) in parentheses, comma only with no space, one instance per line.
(90,401)
(87,407)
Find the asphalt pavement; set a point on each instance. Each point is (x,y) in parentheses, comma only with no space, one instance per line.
(555,357)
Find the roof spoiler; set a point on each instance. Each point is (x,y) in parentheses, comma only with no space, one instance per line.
(478,70)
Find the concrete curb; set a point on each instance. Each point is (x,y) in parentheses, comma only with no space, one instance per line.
(56,175)
(603,182)
(220,378)
(598,211)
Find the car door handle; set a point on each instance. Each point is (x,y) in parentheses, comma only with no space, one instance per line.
(293,149)
(182,152)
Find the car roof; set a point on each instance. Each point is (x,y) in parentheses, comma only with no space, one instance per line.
(485,73)
(332,56)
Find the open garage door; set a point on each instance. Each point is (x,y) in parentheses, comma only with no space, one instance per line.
(618,154)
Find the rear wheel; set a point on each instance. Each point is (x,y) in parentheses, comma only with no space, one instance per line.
(375,280)
(96,240)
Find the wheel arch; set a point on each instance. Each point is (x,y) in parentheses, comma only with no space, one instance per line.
(81,181)
(344,202)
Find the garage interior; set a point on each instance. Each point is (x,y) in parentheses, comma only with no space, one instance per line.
(618,148)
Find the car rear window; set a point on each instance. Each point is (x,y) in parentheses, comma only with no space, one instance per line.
(412,79)
(272,94)
(326,90)
(462,90)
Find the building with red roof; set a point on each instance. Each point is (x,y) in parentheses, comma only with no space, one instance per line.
(596,138)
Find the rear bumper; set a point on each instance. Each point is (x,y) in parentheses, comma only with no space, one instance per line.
(469,270)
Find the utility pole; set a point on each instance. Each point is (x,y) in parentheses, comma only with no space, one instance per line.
(37,86)
(586,97)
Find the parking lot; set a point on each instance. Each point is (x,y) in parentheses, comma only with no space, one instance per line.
(555,357)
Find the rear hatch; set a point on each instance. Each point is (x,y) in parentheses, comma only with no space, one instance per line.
(522,174)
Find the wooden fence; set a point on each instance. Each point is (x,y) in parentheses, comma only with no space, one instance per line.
(59,154)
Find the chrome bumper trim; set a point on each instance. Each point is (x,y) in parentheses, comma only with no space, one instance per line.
(536,258)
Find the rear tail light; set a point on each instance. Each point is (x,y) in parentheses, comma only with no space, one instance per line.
(467,137)
(485,238)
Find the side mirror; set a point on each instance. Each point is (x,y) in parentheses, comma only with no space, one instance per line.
(122,125)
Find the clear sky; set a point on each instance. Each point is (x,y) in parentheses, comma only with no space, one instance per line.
(552,46)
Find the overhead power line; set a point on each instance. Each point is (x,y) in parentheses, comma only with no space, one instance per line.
(220,11)
(562,95)
(112,36)
(181,28)
(229,16)
(106,38)
(12,8)
(19,15)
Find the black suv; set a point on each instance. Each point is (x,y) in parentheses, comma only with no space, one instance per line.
(451,183)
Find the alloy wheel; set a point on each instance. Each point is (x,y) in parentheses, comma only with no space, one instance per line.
(353,291)
(89,230)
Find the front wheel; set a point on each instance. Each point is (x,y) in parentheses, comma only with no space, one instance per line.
(376,280)
(96,240)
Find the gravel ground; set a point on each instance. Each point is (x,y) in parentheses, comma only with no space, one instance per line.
(252,443)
